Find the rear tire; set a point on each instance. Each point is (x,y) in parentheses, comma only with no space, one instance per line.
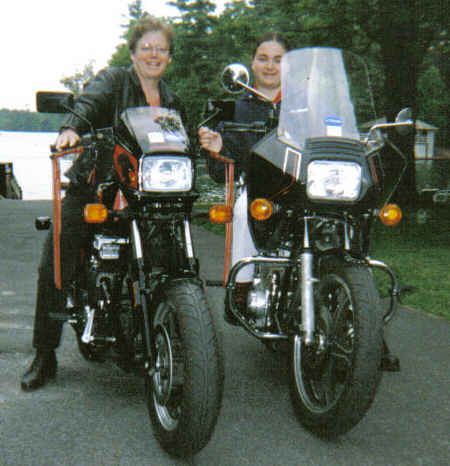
(184,394)
(334,383)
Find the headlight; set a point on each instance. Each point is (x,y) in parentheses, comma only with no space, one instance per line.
(166,173)
(333,181)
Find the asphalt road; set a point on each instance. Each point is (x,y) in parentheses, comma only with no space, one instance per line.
(94,414)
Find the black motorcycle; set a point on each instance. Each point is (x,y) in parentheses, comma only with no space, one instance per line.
(137,298)
(315,186)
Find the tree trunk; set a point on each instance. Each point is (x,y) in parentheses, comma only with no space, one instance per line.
(401,53)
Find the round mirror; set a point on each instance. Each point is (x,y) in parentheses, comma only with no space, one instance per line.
(234,76)
(405,117)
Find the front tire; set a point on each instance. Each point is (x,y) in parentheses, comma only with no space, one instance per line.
(334,381)
(184,394)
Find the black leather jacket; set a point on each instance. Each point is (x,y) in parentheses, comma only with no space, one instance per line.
(102,102)
(109,93)
(248,109)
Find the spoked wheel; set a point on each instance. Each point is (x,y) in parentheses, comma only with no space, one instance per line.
(334,380)
(184,393)
(168,377)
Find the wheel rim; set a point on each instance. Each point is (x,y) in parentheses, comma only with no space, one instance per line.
(166,380)
(163,376)
(322,370)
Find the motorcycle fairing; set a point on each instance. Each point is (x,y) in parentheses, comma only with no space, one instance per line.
(317,116)
(293,163)
(317,101)
(156,129)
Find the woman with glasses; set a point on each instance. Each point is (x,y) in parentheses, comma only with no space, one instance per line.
(102,101)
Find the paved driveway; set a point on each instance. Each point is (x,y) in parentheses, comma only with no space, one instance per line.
(93,414)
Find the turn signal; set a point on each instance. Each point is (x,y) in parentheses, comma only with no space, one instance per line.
(95,213)
(261,209)
(220,213)
(390,215)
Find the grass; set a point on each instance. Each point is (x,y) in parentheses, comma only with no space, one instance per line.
(418,251)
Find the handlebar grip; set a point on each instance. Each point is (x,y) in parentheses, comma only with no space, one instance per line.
(257,126)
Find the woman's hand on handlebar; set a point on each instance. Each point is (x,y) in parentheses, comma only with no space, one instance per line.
(67,138)
(210,140)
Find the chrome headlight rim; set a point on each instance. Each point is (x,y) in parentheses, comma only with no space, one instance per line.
(147,186)
(321,171)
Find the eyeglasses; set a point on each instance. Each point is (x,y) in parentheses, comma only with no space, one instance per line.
(146,48)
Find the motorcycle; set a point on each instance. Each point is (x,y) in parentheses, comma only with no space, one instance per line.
(315,187)
(137,297)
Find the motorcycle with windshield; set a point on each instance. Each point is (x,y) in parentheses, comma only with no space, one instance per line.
(315,187)
(137,297)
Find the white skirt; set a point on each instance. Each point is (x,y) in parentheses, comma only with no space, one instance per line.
(242,245)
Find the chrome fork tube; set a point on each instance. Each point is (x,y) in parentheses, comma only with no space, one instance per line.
(188,239)
(142,295)
(137,243)
(347,244)
(307,286)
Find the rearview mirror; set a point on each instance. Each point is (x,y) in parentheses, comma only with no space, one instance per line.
(235,78)
(404,121)
(54,102)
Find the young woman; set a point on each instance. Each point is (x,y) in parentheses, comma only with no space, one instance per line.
(266,68)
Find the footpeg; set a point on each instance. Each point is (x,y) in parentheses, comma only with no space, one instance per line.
(62,317)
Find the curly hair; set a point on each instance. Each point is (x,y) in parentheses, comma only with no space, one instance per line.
(149,23)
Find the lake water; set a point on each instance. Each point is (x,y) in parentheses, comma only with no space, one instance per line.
(29,153)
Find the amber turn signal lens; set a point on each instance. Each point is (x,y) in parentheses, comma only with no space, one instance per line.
(220,213)
(261,209)
(95,213)
(390,215)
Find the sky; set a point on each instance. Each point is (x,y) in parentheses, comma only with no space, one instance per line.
(42,41)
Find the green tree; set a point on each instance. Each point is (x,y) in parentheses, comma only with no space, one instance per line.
(433,100)
(121,56)
(24,120)
(76,82)
(194,70)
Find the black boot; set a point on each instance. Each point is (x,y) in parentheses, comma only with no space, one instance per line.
(41,370)
(389,362)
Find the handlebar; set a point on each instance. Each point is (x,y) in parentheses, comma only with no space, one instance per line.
(255,127)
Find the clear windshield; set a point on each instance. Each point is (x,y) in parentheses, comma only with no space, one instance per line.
(156,129)
(319,89)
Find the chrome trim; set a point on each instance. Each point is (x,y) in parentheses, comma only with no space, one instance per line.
(188,239)
(282,262)
(307,281)
(137,243)
(87,333)
(347,245)
(395,287)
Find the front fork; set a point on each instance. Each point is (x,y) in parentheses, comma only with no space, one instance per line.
(307,286)
(141,295)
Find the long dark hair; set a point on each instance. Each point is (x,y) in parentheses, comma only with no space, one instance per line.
(271,37)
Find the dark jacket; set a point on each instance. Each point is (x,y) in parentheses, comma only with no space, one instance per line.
(102,101)
(109,93)
(248,109)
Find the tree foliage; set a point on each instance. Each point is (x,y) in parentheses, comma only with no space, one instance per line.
(405,44)
(24,120)
(76,82)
